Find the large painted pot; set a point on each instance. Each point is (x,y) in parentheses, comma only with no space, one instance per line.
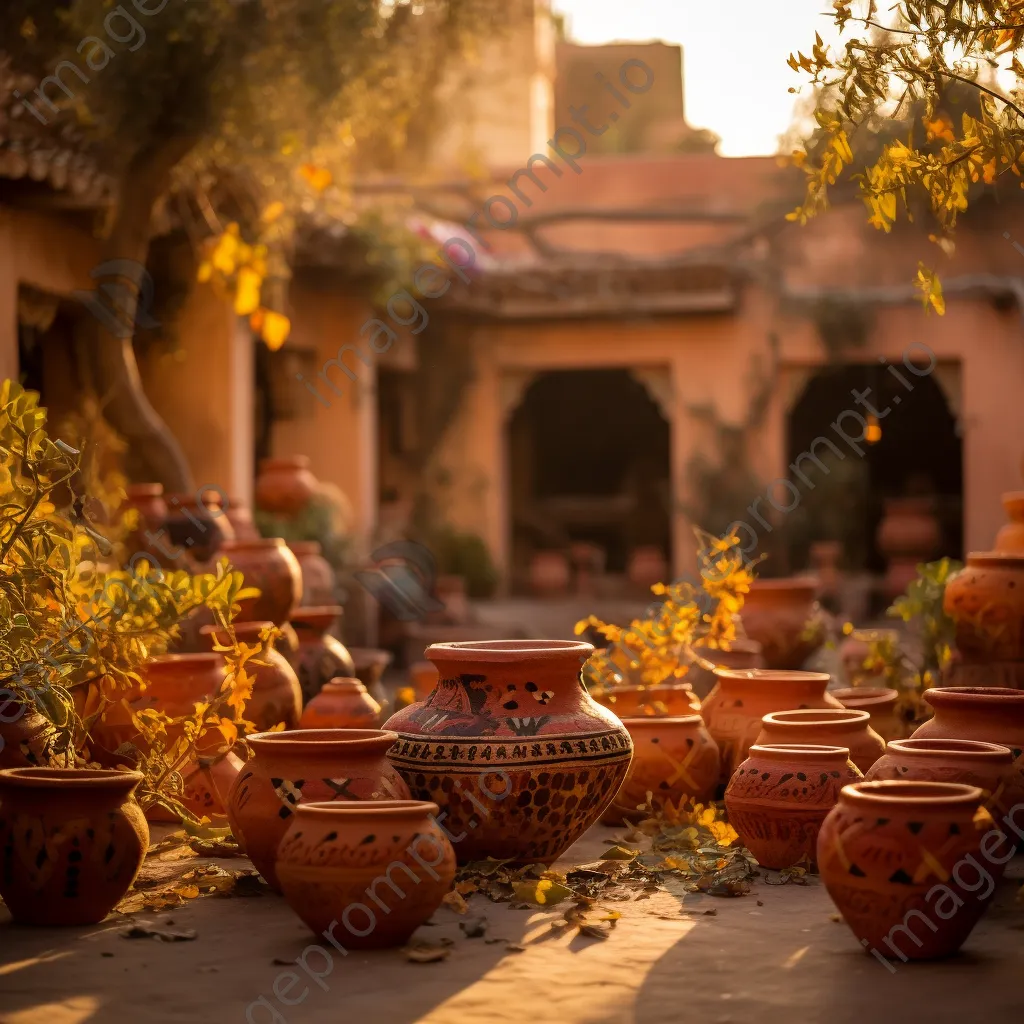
(319,656)
(784,617)
(674,760)
(72,841)
(366,874)
(342,704)
(285,485)
(267,563)
(741,698)
(512,747)
(1010,539)
(879,702)
(289,768)
(891,855)
(779,796)
(991,715)
(319,586)
(834,727)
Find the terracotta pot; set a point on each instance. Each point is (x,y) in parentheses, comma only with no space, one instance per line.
(784,617)
(72,841)
(742,654)
(196,529)
(369,664)
(870,856)
(276,694)
(623,701)
(833,727)
(734,708)
(26,737)
(423,677)
(320,656)
(646,567)
(342,704)
(879,702)
(549,574)
(1010,539)
(269,564)
(976,713)
(240,517)
(779,796)
(855,654)
(674,759)
(206,783)
(289,768)
(333,856)
(319,587)
(285,485)
(512,719)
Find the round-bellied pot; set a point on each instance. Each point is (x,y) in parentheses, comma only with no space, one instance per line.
(369,664)
(897,901)
(285,485)
(276,694)
(879,702)
(319,586)
(195,528)
(1010,539)
(834,727)
(368,874)
(784,617)
(991,715)
(319,656)
(269,564)
(661,699)
(779,796)
(26,737)
(674,759)
(289,768)
(72,841)
(342,704)
(512,747)
(741,698)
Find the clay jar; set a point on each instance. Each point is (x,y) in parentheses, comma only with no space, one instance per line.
(269,564)
(342,704)
(72,841)
(779,796)
(318,584)
(26,737)
(674,759)
(285,485)
(879,702)
(742,654)
(276,695)
(1010,539)
(783,616)
(834,727)
(660,700)
(197,528)
(870,857)
(512,747)
(366,874)
(288,768)
(991,715)
(319,656)
(741,698)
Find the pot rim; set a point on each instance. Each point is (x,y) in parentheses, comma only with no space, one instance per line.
(310,741)
(184,658)
(804,718)
(900,793)
(950,696)
(975,750)
(73,778)
(773,675)
(252,544)
(866,694)
(376,809)
(806,751)
(343,684)
(787,584)
(508,651)
(631,720)
(315,616)
(994,560)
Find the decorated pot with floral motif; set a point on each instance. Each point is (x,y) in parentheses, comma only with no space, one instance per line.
(784,617)
(266,563)
(834,727)
(512,747)
(779,796)
(319,657)
(72,841)
(342,704)
(288,768)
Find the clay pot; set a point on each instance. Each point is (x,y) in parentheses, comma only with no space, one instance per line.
(276,694)
(743,654)
(269,564)
(779,796)
(991,715)
(512,720)
(423,676)
(320,656)
(285,485)
(334,856)
(72,841)
(319,586)
(369,664)
(342,704)
(240,517)
(549,574)
(26,737)
(646,567)
(206,783)
(1010,539)
(784,617)
(879,702)
(289,768)
(833,727)
(870,856)
(674,759)
(856,650)
(196,528)
(734,708)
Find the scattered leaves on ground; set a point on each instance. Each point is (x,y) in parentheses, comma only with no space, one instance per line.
(205,880)
(426,953)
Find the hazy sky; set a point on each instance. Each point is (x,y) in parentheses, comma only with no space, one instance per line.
(734,56)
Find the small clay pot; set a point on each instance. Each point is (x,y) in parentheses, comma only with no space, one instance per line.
(784,617)
(289,768)
(195,528)
(342,704)
(991,715)
(269,564)
(1010,539)
(834,727)
(366,874)
(423,676)
(779,796)
(898,902)
(674,759)
(320,656)
(742,654)
(72,841)
(369,664)
(319,586)
(879,702)
(285,485)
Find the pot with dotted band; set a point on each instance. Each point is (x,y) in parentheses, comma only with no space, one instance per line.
(512,748)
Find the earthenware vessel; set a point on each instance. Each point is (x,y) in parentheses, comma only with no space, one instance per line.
(658,700)
(285,485)
(784,617)
(1010,539)
(26,737)
(674,759)
(423,676)
(779,796)
(891,855)
(741,698)
(269,564)
(368,874)
(908,534)
(342,704)
(195,529)
(992,715)
(512,747)
(288,768)
(879,702)
(369,664)
(72,841)
(319,656)
(742,654)
(856,654)
(319,586)
(834,727)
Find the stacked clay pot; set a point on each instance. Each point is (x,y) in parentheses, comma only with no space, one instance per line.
(989,714)
(367,874)
(319,656)
(285,485)
(266,563)
(779,796)
(72,841)
(897,902)
(342,704)
(784,617)
(1010,539)
(741,698)
(834,727)
(879,702)
(318,583)
(675,760)
(512,747)
(289,768)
